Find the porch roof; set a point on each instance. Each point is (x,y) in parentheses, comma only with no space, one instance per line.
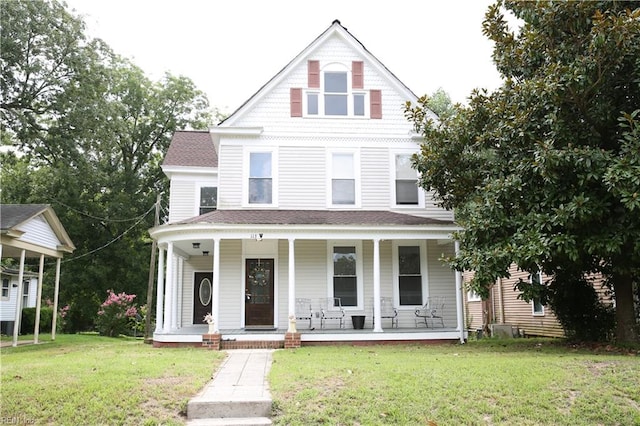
(312,217)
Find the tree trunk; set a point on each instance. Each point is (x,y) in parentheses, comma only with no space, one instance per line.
(626,330)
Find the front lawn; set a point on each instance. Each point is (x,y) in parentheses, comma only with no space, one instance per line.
(93,380)
(517,382)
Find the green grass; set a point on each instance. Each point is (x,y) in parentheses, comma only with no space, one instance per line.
(521,382)
(88,379)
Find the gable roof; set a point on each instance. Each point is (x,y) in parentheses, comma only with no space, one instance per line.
(14,216)
(191,148)
(335,28)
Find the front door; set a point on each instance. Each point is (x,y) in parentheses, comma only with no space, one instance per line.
(202,295)
(258,308)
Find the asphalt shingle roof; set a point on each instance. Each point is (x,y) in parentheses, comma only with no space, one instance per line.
(312,217)
(191,148)
(14,214)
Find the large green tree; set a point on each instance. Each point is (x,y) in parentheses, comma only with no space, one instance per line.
(93,129)
(545,171)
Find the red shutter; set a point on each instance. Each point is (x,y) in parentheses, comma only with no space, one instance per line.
(296,102)
(375,103)
(357,75)
(313,74)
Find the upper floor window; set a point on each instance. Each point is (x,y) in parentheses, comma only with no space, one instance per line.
(343,178)
(336,94)
(208,199)
(406,181)
(260,178)
(5,288)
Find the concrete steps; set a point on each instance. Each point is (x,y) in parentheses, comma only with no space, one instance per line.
(238,394)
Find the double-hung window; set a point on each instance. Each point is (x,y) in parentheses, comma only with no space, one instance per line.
(345,272)
(410,271)
(536,306)
(5,288)
(406,181)
(208,199)
(25,293)
(343,182)
(409,275)
(260,178)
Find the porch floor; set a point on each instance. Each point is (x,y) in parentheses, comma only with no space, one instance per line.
(310,336)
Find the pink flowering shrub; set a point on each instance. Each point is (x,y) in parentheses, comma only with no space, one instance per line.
(114,314)
(63,312)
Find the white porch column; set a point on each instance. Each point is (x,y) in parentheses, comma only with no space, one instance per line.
(168,299)
(377,318)
(460,308)
(292,284)
(160,291)
(215,306)
(36,327)
(18,317)
(56,291)
(180,288)
(174,293)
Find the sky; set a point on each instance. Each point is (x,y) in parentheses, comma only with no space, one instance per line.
(230,48)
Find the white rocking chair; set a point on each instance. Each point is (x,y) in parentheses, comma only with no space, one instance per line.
(331,308)
(387,311)
(431,311)
(303,310)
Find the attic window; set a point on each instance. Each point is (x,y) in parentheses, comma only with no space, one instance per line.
(335,90)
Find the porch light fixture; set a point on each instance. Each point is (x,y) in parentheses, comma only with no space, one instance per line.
(196,245)
(259,237)
(205,253)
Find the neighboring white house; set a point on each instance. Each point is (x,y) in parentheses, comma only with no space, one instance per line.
(29,231)
(9,295)
(305,191)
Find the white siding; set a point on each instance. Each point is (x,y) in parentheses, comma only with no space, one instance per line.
(302,177)
(230,172)
(8,307)
(442,278)
(38,231)
(181,199)
(273,112)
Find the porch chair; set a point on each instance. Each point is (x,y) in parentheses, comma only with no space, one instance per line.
(303,310)
(331,308)
(387,310)
(432,310)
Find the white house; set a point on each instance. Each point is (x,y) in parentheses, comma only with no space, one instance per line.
(305,193)
(29,231)
(9,295)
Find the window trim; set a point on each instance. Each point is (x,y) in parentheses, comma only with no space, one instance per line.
(392,184)
(359,271)
(246,167)
(357,182)
(424,271)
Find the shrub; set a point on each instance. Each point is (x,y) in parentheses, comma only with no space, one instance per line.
(577,306)
(115,313)
(28,322)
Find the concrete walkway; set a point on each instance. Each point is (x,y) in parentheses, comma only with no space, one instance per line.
(238,394)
